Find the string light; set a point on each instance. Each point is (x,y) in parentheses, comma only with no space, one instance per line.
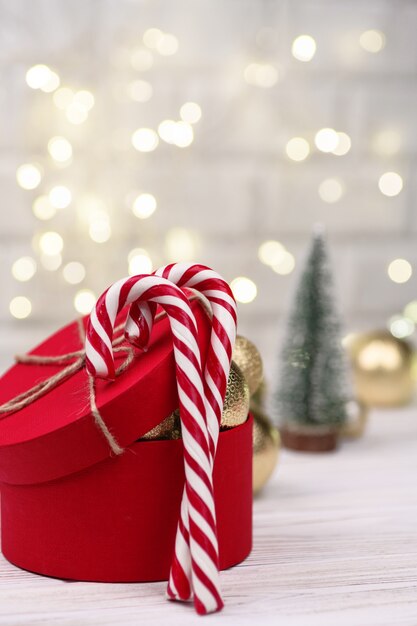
(140,90)
(51,262)
(261,75)
(331,190)
(51,243)
(326,140)
(401,327)
(139,262)
(60,149)
(297,149)
(303,48)
(43,209)
(20,307)
(400,270)
(24,269)
(372,41)
(84,301)
(74,272)
(145,140)
(28,176)
(390,184)
(141,59)
(244,289)
(190,112)
(144,206)
(60,197)
(271,252)
(344,144)
(180,244)
(285,265)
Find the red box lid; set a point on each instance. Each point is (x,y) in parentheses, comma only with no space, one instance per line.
(56,435)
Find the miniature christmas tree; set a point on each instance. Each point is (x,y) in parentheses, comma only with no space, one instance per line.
(312,394)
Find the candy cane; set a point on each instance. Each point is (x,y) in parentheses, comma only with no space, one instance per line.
(218,293)
(197,461)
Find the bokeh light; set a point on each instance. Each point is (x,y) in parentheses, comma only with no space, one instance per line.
(326,140)
(400,270)
(24,269)
(42,208)
(28,176)
(100,229)
(60,149)
(180,245)
(139,262)
(410,310)
(372,41)
(244,289)
(285,265)
(190,112)
(297,149)
(51,262)
(390,184)
(261,75)
(303,48)
(74,272)
(144,205)
(84,301)
(60,197)
(344,144)
(401,327)
(140,90)
(331,190)
(20,307)
(145,140)
(271,252)
(51,243)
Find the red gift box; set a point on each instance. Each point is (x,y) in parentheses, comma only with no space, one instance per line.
(72,509)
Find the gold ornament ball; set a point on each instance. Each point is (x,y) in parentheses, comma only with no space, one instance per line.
(236,402)
(169,428)
(266,444)
(246,356)
(383,369)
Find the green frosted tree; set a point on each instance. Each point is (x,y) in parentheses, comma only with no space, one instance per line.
(314,383)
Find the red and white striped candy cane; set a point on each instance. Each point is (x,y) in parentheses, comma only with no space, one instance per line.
(219,294)
(197,459)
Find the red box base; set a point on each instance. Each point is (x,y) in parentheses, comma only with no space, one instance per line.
(116,520)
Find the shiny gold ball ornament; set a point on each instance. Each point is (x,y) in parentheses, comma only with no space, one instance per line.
(246,356)
(383,369)
(266,444)
(236,402)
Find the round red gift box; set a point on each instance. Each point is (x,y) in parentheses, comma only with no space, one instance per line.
(71,509)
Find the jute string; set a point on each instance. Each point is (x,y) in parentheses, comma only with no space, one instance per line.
(40,389)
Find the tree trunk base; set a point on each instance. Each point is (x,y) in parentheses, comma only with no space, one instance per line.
(307,441)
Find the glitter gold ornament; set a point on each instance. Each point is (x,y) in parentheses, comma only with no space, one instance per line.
(169,428)
(383,369)
(246,356)
(236,402)
(266,444)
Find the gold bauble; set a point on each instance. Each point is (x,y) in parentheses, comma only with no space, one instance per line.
(357,417)
(235,409)
(169,428)
(383,369)
(266,444)
(236,402)
(246,356)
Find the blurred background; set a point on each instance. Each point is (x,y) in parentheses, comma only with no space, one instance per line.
(138,132)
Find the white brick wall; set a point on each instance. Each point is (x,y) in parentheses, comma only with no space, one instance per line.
(234,186)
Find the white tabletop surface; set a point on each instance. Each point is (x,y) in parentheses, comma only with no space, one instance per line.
(335,544)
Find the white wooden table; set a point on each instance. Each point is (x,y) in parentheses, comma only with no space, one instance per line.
(335,543)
